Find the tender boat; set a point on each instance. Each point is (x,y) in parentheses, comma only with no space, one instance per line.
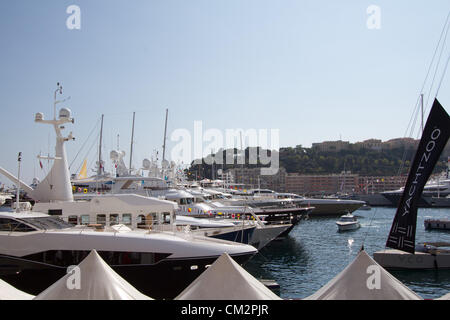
(348,222)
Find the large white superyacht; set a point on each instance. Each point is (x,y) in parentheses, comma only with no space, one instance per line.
(37,248)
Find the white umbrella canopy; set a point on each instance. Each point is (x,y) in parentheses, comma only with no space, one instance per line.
(226,280)
(96,281)
(364,279)
(8,292)
(444,297)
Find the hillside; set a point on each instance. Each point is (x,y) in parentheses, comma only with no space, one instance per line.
(301,160)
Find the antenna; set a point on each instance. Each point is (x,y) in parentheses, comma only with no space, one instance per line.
(58,88)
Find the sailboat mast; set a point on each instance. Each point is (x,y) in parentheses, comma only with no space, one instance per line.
(100,166)
(19,159)
(165,134)
(132,138)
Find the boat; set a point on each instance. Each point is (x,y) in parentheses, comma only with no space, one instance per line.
(348,222)
(324,206)
(38,247)
(403,252)
(436,192)
(437,224)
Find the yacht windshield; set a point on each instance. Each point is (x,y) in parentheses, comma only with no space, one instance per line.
(44,223)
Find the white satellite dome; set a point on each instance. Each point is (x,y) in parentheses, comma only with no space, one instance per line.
(146,164)
(65,113)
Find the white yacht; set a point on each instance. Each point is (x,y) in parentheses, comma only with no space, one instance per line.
(36,248)
(436,192)
(348,222)
(324,207)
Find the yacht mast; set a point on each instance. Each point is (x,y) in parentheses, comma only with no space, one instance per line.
(132,138)
(100,165)
(165,134)
(19,159)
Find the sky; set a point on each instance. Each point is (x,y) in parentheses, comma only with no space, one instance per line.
(313,70)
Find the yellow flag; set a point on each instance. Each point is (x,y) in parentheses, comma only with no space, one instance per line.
(83,171)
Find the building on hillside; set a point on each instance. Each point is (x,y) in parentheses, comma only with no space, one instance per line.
(371,144)
(314,185)
(400,143)
(331,146)
(252,177)
(309,184)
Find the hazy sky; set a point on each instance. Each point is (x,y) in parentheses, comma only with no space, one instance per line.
(312,69)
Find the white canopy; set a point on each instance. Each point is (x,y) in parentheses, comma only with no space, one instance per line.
(97,281)
(226,280)
(364,279)
(8,292)
(444,297)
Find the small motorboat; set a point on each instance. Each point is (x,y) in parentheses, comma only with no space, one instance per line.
(348,222)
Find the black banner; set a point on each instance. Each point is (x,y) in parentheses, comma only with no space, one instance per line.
(434,138)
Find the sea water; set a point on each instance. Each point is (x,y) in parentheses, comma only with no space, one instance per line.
(315,252)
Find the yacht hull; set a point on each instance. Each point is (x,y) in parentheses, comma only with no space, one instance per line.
(325,207)
(263,235)
(164,280)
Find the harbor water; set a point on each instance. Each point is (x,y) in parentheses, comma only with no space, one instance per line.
(315,252)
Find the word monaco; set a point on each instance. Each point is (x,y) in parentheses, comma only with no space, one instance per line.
(230,309)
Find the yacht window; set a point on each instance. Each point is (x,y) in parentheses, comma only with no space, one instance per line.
(50,222)
(73,220)
(13,225)
(101,219)
(55,212)
(84,219)
(140,220)
(126,219)
(113,219)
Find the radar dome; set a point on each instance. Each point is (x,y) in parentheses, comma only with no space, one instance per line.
(65,113)
(39,116)
(146,164)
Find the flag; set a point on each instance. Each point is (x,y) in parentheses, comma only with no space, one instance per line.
(434,138)
(83,172)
